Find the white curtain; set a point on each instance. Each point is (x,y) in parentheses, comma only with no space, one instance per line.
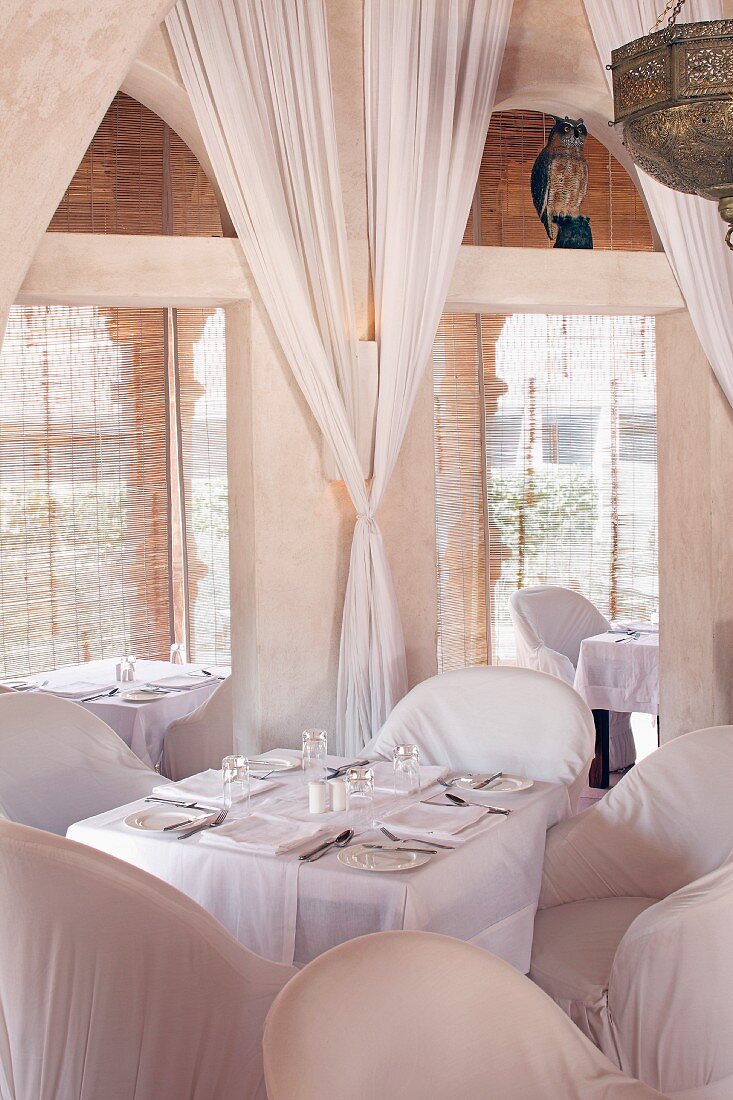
(257,72)
(690,228)
(430,75)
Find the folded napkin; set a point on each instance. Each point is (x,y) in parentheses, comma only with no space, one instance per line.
(640,625)
(384,775)
(206,787)
(181,681)
(266,833)
(78,689)
(434,822)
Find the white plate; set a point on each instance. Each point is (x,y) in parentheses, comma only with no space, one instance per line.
(183,681)
(384,859)
(141,695)
(154,819)
(508,784)
(273,763)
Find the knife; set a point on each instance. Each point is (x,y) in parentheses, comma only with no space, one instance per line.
(486,782)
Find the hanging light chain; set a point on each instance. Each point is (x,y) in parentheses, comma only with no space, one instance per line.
(672,9)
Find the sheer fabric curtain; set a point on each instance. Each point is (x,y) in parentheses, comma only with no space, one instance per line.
(258,75)
(430,75)
(690,228)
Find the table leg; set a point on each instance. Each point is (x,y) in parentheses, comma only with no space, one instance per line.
(598,776)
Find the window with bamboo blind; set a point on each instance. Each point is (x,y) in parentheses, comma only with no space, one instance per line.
(113,486)
(545,426)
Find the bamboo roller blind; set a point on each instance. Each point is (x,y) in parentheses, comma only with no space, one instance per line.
(545,427)
(88,474)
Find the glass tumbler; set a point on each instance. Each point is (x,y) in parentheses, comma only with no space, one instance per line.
(235,776)
(315,747)
(406,759)
(360,788)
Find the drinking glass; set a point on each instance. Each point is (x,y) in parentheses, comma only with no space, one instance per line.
(315,747)
(178,654)
(406,760)
(235,775)
(360,787)
(126,670)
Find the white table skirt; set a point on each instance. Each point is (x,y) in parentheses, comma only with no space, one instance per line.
(485,891)
(142,726)
(619,675)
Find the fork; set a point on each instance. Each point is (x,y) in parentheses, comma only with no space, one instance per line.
(205,824)
(414,840)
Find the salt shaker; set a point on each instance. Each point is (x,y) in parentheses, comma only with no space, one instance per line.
(339,798)
(318,797)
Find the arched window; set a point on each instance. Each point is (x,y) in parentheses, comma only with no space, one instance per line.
(545,426)
(113,482)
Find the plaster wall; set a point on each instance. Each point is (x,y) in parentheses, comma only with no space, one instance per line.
(695,455)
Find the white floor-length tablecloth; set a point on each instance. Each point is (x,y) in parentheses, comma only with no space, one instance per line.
(484,891)
(142,726)
(619,673)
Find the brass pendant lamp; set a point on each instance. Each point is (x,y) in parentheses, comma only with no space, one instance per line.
(673,95)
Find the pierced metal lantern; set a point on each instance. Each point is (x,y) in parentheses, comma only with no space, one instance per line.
(673,94)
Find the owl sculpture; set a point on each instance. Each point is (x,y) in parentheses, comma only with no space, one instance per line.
(559,184)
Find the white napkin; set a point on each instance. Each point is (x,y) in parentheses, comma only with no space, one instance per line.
(384,775)
(266,833)
(181,681)
(437,822)
(78,689)
(633,624)
(206,787)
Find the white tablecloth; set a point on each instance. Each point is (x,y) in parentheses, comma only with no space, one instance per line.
(619,675)
(142,726)
(484,891)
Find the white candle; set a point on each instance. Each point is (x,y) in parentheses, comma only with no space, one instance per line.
(339,796)
(318,797)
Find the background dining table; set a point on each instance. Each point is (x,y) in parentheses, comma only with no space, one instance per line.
(617,671)
(142,726)
(484,891)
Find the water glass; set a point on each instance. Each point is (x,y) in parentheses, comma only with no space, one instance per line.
(178,654)
(315,747)
(406,759)
(235,775)
(360,794)
(126,670)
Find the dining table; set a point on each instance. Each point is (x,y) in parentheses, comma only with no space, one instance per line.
(482,885)
(617,671)
(142,725)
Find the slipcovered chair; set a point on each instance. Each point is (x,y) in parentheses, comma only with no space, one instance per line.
(491,717)
(549,624)
(115,986)
(201,739)
(415,1015)
(629,888)
(59,763)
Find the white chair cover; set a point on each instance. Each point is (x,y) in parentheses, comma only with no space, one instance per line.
(549,624)
(411,1015)
(493,717)
(623,964)
(114,986)
(59,763)
(666,823)
(201,739)
(669,995)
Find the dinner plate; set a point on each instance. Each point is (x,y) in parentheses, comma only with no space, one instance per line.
(183,681)
(382,859)
(508,784)
(155,819)
(141,695)
(273,763)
